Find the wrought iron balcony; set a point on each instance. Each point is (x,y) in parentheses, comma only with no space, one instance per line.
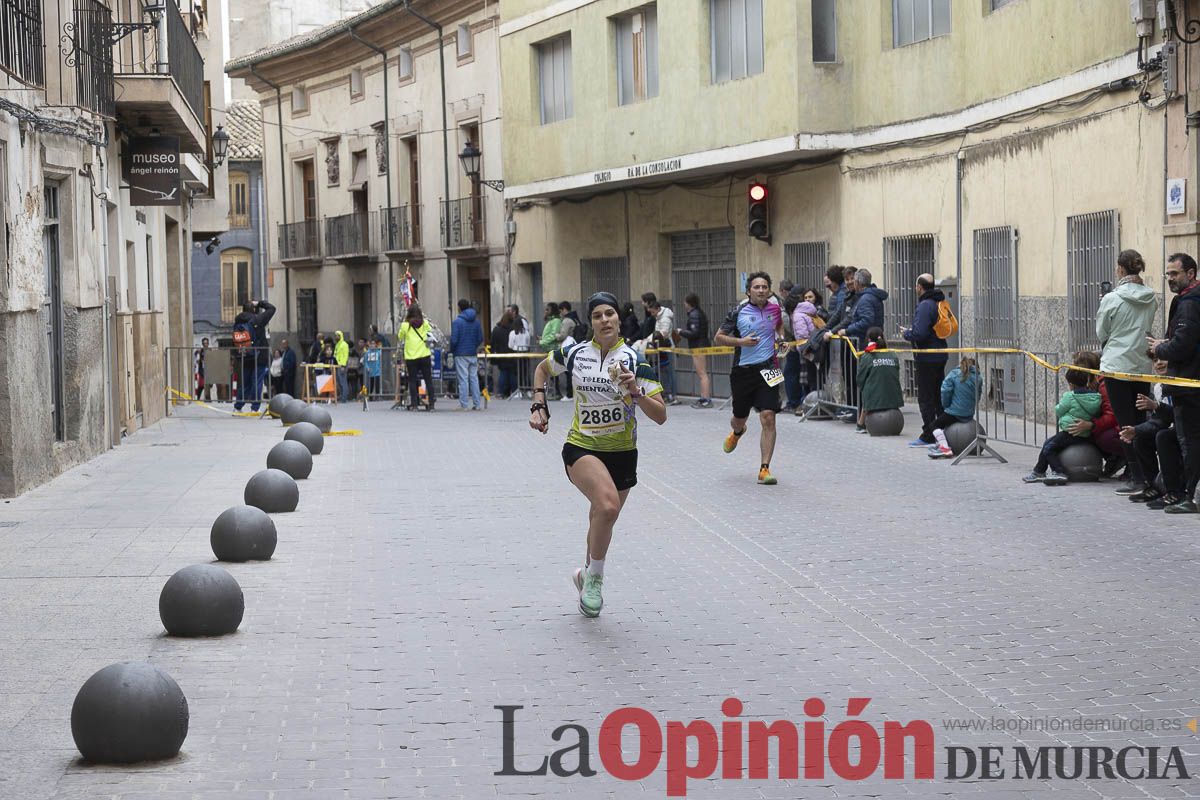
(400,229)
(22,51)
(300,241)
(463,224)
(158,89)
(92,57)
(348,236)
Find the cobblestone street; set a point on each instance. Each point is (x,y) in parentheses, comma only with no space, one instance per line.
(425,579)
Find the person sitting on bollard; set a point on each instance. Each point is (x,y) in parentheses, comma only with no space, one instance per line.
(878,379)
(1104,429)
(960,394)
(1081,401)
(1156,448)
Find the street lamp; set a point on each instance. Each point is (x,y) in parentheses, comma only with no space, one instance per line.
(470,162)
(220,143)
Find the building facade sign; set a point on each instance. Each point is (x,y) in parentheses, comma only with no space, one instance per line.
(152,171)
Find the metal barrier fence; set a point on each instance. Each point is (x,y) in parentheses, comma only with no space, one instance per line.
(222,372)
(1016,404)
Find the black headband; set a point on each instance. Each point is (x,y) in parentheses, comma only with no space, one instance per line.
(602,299)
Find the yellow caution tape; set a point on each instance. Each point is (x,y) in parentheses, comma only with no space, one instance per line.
(1121,376)
(344,433)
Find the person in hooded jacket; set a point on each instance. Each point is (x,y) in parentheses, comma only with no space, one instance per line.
(341,357)
(930,367)
(466,337)
(255,361)
(1122,324)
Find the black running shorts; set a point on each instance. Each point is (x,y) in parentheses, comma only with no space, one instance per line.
(621,464)
(750,390)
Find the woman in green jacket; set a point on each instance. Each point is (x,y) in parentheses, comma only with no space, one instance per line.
(878,379)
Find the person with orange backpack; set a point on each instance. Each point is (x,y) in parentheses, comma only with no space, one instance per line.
(933,323)
(253,354)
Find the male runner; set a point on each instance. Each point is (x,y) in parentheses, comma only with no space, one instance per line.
(755,328)
(610,381)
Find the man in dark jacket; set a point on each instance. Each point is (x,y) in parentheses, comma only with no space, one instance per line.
(931,367)
(868,309)
(288,374)
(255,359)
(1179,351)
(466,337)
(318,347)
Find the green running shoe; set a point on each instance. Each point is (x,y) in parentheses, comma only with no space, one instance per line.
(590,600)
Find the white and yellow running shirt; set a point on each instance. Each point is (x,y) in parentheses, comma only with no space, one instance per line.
(604,416)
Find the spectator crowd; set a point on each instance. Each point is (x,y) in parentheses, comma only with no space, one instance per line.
(1122,401)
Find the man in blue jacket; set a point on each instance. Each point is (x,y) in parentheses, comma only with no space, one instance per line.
(466,337)
(931,367)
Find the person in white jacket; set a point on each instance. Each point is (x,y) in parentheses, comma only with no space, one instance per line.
(519,339)
(664,327)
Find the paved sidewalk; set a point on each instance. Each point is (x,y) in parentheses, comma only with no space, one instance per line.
(425,580)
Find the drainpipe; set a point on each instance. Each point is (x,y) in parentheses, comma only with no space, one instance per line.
(959,163)
(105,315)
(445,144)
(387,156)
(287,274)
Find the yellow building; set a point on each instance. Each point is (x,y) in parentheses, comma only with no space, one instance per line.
(364,122)
(997,143)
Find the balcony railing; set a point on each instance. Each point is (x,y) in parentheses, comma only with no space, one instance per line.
(463,223)
(22,51)
(348,235)
(300,241)
(400,229)
(93,57)
(185,63)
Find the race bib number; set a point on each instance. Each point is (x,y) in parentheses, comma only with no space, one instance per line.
(598,419)
(773,377)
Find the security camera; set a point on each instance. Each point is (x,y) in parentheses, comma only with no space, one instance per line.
(212,245)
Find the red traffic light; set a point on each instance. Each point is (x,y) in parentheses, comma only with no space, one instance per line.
(758,192)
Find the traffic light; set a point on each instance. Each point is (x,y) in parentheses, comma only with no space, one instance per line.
(760,214)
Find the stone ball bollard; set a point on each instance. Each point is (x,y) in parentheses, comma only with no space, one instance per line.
(818,396)
(887,422)
(960,435)
(292,458)
(129,712)
(293,411)
(201,600)
(272,490)
(243,533)
(1084,462)
(307,434)
(319,417)
(275,407)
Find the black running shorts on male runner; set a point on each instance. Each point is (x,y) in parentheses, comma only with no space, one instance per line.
(749,389)
(621,464)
